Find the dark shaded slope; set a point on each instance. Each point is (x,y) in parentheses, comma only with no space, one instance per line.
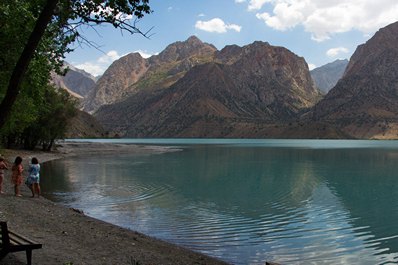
(364,103)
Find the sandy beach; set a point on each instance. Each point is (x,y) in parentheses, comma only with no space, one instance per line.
(69,236)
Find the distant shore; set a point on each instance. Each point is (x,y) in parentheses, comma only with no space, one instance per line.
(70,237)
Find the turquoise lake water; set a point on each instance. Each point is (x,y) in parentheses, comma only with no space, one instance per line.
(246,201)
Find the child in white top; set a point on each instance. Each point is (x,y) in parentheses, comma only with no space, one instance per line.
(33,180)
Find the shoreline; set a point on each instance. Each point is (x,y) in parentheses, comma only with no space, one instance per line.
(68,235)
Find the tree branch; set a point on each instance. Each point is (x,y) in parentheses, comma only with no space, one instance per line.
(24,60)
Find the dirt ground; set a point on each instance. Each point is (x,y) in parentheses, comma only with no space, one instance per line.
(70,237)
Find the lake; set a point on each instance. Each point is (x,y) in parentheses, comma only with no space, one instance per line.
(246,201)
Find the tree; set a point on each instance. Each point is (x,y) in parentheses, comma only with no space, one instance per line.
(39,111)
(56,109)
(58,22)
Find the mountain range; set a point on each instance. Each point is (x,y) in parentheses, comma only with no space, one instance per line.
(326,76)
(191,89)
(217,94)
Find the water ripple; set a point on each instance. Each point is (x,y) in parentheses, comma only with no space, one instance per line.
(248,206)
(312,233)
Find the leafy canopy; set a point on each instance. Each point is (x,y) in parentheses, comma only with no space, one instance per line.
(34,37)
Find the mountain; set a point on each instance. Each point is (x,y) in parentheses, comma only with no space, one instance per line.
(132,73)
(76,81)
(79,83)
(235,92)
(364,103)
(114,83)
(326,76)
(83,125)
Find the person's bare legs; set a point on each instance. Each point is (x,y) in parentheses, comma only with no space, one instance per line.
(37,189)
(32,190)
(16,191)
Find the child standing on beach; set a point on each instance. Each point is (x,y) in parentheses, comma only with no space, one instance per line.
(3,166)
(33,180)
(16,177)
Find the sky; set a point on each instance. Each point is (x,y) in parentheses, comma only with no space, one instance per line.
(321,31)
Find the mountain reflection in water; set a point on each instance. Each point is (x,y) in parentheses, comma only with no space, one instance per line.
(247,203)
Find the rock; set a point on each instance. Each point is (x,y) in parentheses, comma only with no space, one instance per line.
(255,84)
(364,103)
(326,76)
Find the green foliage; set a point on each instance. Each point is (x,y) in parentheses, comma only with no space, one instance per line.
(57,108)
(24,114)
(39,113)
(151,80)
(12,35)
(19,19)
(39,120)
(108,10)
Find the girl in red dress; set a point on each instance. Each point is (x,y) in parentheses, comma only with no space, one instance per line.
(16,177)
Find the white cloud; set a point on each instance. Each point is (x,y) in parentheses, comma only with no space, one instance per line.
(98,66)
(216,25)
(240,1)
(324,18)
(336,51)
(311,66)
(145,54)
(257,4)
(109,57)
(93,68)
(237,28)
(284,17)
(201,15)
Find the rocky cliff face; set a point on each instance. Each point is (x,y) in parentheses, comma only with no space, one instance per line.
(274,73)
(132,73)
(238,93)
(364,103)
(76,81)
(326,76)
(116,81)
(182,50)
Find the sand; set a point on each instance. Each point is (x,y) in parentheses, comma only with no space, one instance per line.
(70,237)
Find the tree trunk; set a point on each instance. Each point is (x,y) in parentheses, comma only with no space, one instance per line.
(24,60)
(50,146)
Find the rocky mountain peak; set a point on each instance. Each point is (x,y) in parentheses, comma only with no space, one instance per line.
(132,73)
(184,49)
(240,87)
(115,82)
(326,76)
(384,40)
(364,103)
(276,67)
(193,40)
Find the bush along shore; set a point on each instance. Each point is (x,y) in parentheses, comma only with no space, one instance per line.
(68,235)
